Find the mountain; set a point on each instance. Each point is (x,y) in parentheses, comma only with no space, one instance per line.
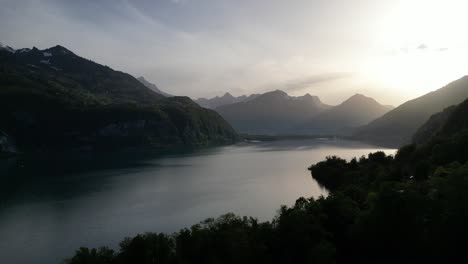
(445,127)
(152,86)
(271,113)
(433,126)
(356,111)
(54,99)
(6,48)
(397,127)
(61,68)
(226,99)
(441,141)
(278,113)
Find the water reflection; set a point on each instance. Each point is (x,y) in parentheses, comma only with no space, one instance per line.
(51,205)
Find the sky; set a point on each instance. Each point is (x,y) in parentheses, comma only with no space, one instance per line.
(391,50)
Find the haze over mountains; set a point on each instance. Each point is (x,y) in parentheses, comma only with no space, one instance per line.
(152,86)
(278,113)
(354,112)
(271,113)
(227,98)
(397,127)
(52,91)
(359,117)
(54,99)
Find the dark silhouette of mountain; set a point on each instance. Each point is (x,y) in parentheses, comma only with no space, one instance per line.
(449,126)
(433,126)
(397,127)
(278,113)
(226,99)
(356,111)
(54,99)
(152,86)
(272,113)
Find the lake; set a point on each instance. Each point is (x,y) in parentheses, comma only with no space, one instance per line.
(52,205)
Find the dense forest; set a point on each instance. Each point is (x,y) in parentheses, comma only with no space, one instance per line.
(407,208)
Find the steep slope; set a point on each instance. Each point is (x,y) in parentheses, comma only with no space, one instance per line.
(54,99)
(397,127)
(60,67)
(272,113)
(356,111)
(445,144)
(226,99)
(433,126)
(152,86)
(456,120)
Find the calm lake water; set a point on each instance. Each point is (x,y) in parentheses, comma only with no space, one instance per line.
(50,206)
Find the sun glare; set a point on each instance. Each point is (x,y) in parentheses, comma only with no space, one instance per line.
(420,46)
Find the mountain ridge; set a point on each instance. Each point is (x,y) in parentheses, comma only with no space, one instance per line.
(153,86)
(271,113)
(276,113)
(227,98)
(397,127)
(343,118)
(52,99)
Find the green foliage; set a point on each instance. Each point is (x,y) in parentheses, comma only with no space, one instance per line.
(147,248)
(92,256)
(335,173)
(73,103)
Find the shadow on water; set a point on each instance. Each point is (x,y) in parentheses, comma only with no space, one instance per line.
(59,176)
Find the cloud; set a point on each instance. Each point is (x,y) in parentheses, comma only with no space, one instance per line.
(422,47)
(198,48)
(305,83)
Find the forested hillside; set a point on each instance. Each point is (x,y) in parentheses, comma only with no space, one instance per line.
(54,100)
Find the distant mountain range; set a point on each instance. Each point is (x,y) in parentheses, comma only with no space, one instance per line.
(342,119)
(54,99)
(278,113)
(271,113)
(359,117)
(227,98)
(153,86)
(397,127)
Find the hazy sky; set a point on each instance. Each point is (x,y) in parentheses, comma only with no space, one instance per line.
(388,49)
